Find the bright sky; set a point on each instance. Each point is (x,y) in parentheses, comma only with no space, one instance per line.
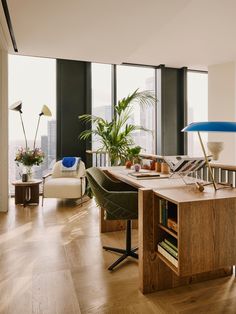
(32,80)
(197,108)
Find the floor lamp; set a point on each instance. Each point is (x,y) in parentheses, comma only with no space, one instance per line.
(210,126)
(17,106)
(45,111)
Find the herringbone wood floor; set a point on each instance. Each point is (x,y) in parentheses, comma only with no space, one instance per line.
(51,261)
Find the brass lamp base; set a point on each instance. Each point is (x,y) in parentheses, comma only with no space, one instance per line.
(225,185)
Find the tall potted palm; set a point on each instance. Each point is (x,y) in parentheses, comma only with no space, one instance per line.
(116,136)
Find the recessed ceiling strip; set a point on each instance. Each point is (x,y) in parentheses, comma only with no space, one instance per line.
(9,24)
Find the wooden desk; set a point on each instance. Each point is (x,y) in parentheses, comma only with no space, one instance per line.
(27,192)
(206,232)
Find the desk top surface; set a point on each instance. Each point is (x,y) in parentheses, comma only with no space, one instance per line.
(173,189)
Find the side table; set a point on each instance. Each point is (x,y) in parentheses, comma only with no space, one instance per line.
(27,192)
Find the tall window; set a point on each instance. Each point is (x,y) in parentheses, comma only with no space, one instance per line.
(101,95)
(32,80)
(130,78)
(197,108)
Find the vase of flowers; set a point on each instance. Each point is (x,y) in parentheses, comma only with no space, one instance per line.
(28,158)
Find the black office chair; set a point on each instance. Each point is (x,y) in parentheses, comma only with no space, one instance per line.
(120,201)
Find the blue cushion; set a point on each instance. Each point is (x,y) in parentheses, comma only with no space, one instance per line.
(68,162)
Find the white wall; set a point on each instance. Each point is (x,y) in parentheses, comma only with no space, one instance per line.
(222,106)
(3,130)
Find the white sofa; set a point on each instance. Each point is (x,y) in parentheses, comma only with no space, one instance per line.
(64,184)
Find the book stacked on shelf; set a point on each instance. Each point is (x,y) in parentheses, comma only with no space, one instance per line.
(168,214)
(163,205)
(168,248)
(172,224)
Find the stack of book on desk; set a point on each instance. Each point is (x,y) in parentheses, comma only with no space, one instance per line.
(168,248)
(143,174)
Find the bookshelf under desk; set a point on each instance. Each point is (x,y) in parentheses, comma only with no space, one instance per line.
(203,240)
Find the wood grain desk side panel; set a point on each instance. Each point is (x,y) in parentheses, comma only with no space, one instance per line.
(114,225)
(196,237)
(225,232)
(148,260)
(206,233)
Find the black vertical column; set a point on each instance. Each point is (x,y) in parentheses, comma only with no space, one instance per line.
(171,111)
(73,100)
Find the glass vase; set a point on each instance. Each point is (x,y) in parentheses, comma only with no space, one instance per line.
(29,171)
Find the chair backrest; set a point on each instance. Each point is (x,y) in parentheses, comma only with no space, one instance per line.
(57,173)
(98,183)
(100,177)
(117,204)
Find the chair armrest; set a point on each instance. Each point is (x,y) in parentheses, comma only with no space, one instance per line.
(46,176)
(82,178)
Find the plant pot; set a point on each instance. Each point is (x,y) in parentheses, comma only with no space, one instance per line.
(128,164)
(152,165)
(165,168)
(158,166)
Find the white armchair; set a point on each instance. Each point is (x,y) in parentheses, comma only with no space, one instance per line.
(64,184)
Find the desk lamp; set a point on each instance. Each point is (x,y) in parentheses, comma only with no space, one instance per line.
(210,126)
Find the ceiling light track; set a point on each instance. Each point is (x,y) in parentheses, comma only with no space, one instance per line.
(9,24)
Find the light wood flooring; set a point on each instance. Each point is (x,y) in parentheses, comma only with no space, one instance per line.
(51,261)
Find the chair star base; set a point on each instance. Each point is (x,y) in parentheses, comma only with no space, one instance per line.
(120,202)
(125,252)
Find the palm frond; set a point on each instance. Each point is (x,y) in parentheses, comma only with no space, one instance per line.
(116,136)
(85,134)
(91,118)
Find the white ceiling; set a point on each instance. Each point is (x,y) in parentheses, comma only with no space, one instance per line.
(193,33)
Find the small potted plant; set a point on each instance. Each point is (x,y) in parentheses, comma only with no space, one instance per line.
(132,156)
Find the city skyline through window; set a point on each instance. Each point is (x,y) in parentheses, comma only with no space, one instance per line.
(128,79)
(101,95)
(33,81)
